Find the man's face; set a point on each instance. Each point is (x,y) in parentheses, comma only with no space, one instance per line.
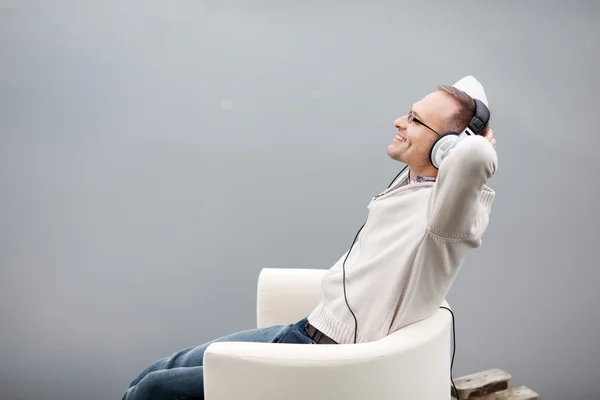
(414,140)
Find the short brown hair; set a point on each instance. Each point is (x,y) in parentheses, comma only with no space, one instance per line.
(460,120)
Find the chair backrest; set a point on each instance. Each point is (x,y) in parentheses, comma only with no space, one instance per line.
(285,295)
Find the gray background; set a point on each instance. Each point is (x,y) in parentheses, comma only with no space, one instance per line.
(155,155)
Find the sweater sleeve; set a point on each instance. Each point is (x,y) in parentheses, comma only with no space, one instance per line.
(453,205)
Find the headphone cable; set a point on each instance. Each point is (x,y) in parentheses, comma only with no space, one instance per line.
(453,350)
(344,282)
(348,254)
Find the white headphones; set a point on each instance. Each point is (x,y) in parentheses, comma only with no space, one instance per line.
(445,142)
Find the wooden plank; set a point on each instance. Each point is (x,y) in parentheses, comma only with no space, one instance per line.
(518,393)
(484,383)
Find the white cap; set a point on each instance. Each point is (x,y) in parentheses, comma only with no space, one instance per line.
(473,88)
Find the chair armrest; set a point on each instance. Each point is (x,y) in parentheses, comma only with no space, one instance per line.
(412,363)
(285,295)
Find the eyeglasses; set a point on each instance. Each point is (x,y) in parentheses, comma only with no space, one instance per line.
(412,118)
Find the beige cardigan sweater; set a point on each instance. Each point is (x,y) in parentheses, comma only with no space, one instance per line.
(411,248)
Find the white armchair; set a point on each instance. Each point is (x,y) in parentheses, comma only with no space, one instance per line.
(410,364)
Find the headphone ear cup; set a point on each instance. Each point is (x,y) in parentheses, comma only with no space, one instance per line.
(440,146)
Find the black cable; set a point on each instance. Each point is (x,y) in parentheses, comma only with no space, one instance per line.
(344,282)
(453,351)
(344,263)
(396,177)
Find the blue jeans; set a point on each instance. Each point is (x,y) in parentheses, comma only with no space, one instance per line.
(179,377)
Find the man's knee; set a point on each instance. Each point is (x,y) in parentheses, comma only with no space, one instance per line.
(155,366)
(169,384)
(153,386)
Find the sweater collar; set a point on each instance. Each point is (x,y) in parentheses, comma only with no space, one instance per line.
(421,178)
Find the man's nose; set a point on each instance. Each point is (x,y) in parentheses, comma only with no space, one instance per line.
(400,123)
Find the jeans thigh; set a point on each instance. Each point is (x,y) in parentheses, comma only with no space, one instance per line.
(290,333)
(193,356)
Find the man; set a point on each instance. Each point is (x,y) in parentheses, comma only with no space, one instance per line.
(401,267)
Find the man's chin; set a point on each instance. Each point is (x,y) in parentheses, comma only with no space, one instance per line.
(393,153)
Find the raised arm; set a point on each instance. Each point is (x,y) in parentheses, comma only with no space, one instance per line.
(458,191)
